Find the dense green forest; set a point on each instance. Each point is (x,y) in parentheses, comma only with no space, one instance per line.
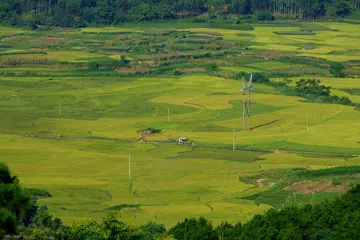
(335,219)
(79,13)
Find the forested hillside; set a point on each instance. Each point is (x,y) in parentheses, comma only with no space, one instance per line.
(79,13)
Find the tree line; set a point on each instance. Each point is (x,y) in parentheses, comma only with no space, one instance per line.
(79,13)
(336,219)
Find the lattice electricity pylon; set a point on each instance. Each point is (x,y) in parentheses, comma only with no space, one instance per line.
(247,103)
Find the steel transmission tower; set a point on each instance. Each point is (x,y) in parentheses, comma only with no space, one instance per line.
(247,103)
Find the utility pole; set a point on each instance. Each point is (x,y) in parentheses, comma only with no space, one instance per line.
(90,104)
(234,137)
(168,114)
(60,108)
(244,104)
(129,166)
(249,110)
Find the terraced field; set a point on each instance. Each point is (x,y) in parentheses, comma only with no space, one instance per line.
(75,103)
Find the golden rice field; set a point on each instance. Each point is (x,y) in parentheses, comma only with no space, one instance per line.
(70,131)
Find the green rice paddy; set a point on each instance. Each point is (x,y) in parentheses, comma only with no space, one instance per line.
(69,129)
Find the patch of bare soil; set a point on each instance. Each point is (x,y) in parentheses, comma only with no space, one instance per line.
(280,151)
(39,49)
(179,53)
(185,13)
(9,39)
(246,54)
(307,187)
(260,182)
(51,40)
(271,54)
(132,69)
(143,135)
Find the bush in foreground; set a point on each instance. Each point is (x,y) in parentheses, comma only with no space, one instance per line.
(338,219)
(13,202)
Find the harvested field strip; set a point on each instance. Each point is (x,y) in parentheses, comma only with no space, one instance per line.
(307,187)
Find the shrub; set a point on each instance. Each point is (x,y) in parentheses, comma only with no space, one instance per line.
(34,192)
(123,61)
(199,20)
(345,101)
(241,74)
(34,26)
(122,206)
(337,70)
(211,67)
(151,230)
(260,77)
(177,72)
(337,99)
(336,181)
(265,16)
(193,229)
(295,33)
(93,66)
(153,130)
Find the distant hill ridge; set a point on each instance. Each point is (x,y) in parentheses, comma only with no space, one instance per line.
(79,13)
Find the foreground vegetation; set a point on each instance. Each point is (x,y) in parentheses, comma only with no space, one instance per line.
(328,220)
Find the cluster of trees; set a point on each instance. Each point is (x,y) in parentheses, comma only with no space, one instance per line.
(313,90)
(78,13)
(108,229)
(13,203)
(329,220)
(19,212)
(337,70)
(312,87)
(337,219)
(109,64)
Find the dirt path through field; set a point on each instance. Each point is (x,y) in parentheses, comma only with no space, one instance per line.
(161,142)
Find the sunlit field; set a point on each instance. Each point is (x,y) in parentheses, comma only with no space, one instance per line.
(68,125)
